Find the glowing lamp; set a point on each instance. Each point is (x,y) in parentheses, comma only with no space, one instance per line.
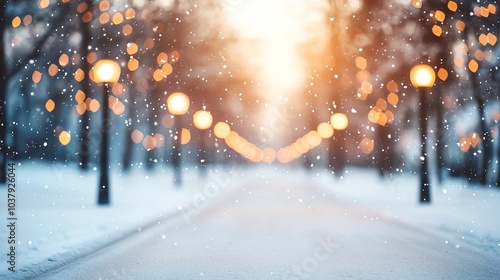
(339,121)
(106,71)
(422,76)
(178,103)
(202,119)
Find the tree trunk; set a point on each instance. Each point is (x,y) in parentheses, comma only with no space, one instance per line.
(85,118)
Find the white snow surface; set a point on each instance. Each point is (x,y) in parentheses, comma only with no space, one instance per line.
(59,221)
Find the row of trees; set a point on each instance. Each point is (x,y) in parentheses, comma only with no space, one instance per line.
(388,36)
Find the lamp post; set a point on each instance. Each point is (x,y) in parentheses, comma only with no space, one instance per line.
(203,121)
(178,105)
(422,76)
(108,72)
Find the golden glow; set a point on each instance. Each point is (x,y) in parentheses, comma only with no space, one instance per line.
(202,119)
(393,99)
(221,130)
(93,105)
(269,155)
(160,140)
(104,6)
(483,39)
(117,19)
(132,48)
(50,105)
(16,22)
(422,75)
(452,6)
(325,130)
(185,136)
(80,96)
(443,74)
(437,30)
(130,13)
(178,103)
(492,39)
(149,142)
(63,60)
(53,69)
(79,75)
(64,138)
(127,29)
(106,71)
(137,136)
(81,108)
(104,18)
(339,121)
(43,4)
(440,16)
(36,76)
(133,64)
(460,25)
(492,8)
(367,145)
(473,66)
(417,3)
(162,58)
(361,62)
(392,86)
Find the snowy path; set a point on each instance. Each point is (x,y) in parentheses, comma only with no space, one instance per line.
(285,228)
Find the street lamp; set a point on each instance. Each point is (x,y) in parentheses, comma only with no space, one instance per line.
(178,105)
(422,76)
(108,72)
(203,121)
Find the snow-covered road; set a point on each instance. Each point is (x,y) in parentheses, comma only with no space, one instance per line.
(285,228)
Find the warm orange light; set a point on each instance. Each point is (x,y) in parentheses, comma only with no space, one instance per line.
(64,138)
(437,30)
(367,145)
(79,75)
(422,75)
(313,139)
(53,69)
(149,142)
(452,6)
(63,60)
(137,136)
(50,105)
(185,136)
(133,64)
(117,18)
(16,22)
(221,130)
(106,71)
(127,29)
(269,155)
(442,74)
(325,130)
(132,48)
(339,121)
(178,103)
(202,119)
(392,86)
(361,62)
(417,3)
(80,96)
(393,99)
(43,4)
(473,66)
(36,76)
(440,16)
(460,25)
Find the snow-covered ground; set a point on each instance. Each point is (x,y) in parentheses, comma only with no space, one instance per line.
(58,218)
(467,213)
(59,221)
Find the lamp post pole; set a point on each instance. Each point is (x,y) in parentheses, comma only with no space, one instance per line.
(177,105)
(422,76)
(176,150)
(424,163)
(106,71)
(104,177)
